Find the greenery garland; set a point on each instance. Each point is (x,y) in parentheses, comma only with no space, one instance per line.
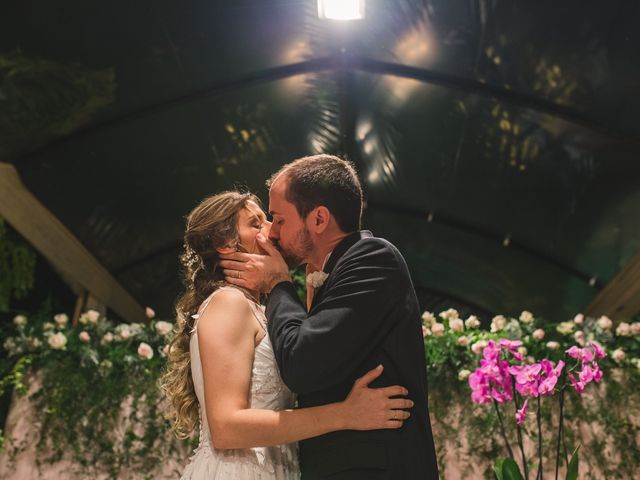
(90,374)
(17,267)
(94,371)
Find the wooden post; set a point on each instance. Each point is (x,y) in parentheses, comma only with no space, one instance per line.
(58,245)
(620,299)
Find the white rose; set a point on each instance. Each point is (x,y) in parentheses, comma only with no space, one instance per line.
(107,338)
(526,317)
(530,360)
(456,325)
(46,326)
(450,314)
(578,319)
(618,355)
(123,332)
(163,328)
(565,328)
(553,345)
(425,331)
(580,337)
(19,320)
(498,323)
(84,336)
(9,344)
(149,312)
(538,334)
(33,343)
(145,351)
(428,319)
(61,319)
(623,330)
(605,323)
(89,317)
(57,341)
(635,328)
(106,364)
(463,341)
(463,374)
(437,329)
(523,350)
(472,322)
(479,346)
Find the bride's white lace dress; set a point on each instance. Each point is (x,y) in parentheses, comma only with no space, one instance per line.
(267,391)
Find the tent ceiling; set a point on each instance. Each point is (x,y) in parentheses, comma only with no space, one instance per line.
(500,118)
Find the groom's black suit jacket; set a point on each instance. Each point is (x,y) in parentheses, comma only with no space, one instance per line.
(365,314)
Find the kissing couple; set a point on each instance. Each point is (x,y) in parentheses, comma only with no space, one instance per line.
(334,389)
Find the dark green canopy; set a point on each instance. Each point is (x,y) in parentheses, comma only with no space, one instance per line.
(497,140)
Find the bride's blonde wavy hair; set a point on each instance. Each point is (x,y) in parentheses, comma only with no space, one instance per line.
(211,225)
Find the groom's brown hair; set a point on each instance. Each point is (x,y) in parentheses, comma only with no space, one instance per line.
(324,180)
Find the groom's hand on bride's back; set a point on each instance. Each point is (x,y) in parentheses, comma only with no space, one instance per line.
(254,271)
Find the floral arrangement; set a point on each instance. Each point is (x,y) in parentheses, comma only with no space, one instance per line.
(98,398)
(99,403)
(515,362)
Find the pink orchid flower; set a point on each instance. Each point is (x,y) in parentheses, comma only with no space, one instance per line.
(598,350)
(521,414)
(577,385)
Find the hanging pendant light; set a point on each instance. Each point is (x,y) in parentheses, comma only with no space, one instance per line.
(341,9)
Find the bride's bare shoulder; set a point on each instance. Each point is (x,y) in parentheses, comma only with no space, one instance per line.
(227,306)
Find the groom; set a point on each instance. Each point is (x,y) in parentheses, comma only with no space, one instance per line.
(363,313)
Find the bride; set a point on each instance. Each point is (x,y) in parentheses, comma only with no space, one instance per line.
(222,372)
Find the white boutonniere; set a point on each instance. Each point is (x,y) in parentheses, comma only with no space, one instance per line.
(316,279)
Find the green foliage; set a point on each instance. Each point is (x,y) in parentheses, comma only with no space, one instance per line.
(300,282)
(42,99)
(572,469)
(98,403)
(510,470)
(17,266)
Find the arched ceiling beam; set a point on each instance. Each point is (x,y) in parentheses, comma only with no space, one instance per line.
(468,85)
(355,63)
(497,237)
(253,78)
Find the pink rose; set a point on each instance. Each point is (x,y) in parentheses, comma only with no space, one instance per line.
(457,325)
(145,351)
(437,329)
(84,337)
(538,334)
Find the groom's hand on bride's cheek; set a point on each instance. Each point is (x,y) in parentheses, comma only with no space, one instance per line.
(256,272)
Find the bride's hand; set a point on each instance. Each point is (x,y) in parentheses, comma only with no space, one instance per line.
(373,408)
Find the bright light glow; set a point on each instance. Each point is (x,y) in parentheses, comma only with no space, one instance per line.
(341,9)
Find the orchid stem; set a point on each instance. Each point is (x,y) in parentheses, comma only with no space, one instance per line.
(524,459)
(560,423)
(538,416)
(504,433)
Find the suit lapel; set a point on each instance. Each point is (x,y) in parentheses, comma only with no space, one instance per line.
(342,248)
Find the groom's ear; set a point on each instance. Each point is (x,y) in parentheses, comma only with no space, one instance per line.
(319,217)
(225,250)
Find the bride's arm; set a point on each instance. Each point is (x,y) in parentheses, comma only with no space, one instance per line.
(226,339)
